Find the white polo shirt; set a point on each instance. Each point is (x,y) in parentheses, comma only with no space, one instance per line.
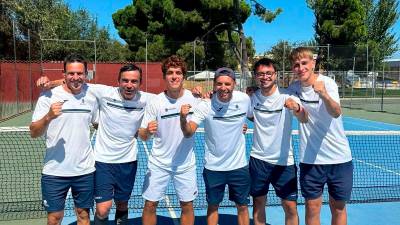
(225,147)
(272,139)
(68,149)
(171,150)
(119,120)
(322,138)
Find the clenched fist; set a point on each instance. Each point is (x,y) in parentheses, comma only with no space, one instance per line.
(152,127)
(292,104)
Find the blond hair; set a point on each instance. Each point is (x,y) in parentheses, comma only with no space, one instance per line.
(301,52)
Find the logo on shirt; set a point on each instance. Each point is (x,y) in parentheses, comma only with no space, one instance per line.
(83,101)
(220,108)
(167,109)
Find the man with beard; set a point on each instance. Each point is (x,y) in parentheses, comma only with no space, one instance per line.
(63,115)
(271,157)
(121,112)
(225,150)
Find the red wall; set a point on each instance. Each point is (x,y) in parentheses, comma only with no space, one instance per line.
(25,90)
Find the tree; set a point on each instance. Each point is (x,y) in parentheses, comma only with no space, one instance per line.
(380,19)
(206,29)
(53,19)
(339,22)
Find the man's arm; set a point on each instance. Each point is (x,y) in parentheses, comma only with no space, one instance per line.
(146,133)
(332,106)
(298,110)
(37,128)
(188,128)
(45,83)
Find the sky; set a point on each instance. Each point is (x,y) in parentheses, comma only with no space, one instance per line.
(294,24)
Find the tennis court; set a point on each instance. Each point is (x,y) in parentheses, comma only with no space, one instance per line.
(375,149)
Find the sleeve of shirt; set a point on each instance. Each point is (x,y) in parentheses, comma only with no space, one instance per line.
(291,89)
(150,113)
(252,99)
(42,107)
(95,117)
(99,90)
(295,98)
(332,89)
(249,107)
(200,111)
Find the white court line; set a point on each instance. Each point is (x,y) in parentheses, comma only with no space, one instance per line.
(378,167)
(374,121)
(357,124)
(171,211)
(354,122)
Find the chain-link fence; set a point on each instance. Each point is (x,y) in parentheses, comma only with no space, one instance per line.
(360,71)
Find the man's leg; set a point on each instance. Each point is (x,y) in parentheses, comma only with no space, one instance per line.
(212,214)
(187,215)
(102,211)
(54,193)
(243,214)
(124,175)
(313,210)
(121,215)
(83,194)
(339,186)
(290,208)
(338,211)
(149,216)
(82,216)
(259,210)
(55,218)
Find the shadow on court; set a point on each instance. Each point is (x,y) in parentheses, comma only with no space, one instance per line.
(224,219)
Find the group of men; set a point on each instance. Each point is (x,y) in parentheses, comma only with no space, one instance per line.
(65,112)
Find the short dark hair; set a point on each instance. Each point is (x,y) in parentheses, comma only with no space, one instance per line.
(264,62)
(174,61)
(130,67)
(71,58)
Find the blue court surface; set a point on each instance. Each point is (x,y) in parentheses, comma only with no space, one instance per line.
(376,187)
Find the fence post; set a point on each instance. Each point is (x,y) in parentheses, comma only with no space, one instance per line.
(30,70)
(15,68)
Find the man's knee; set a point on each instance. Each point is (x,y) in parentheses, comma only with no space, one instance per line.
(187,207)
(241,208)
(122,206)
(103,209)
(54,218)
(82,214)
(313,206)
(290,207)
(150,206)
(337,206)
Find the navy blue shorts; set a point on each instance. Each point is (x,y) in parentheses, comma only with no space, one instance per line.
(338,177)
(114,181)
(238,182)
(282,178)
(55,190)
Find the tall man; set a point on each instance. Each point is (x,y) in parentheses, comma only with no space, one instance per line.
(63,115)
(325,156)
(271,160)
(172,156)
(225,148)
(121,112)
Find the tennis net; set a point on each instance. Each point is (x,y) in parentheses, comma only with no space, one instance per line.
(376,157)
